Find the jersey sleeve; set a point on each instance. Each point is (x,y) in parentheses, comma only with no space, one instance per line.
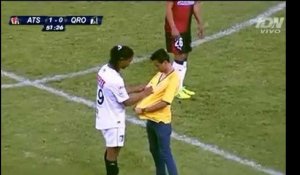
(119,90)
(171,89)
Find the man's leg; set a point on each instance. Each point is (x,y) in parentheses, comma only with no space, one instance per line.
(114,139)
(180,64)
(164,137)
(111,160)
(154,149)
(181,49)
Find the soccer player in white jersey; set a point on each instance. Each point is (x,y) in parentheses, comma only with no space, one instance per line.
(112,97)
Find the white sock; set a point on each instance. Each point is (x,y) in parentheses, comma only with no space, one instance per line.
(181,69)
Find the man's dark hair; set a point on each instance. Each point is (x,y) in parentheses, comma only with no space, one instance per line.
(118,53)
(160,55)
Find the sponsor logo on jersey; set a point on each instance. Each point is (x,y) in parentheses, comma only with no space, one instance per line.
(101,82)
(121,138)
(185,2)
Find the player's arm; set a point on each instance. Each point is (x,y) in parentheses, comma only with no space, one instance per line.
(157,106)
(197,15)
(167,98)
(133,89)
(197,12)
(170,19)
(135,97)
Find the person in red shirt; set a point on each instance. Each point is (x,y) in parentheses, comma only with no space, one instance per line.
(178,36)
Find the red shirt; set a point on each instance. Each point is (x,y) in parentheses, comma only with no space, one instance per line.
(182,15)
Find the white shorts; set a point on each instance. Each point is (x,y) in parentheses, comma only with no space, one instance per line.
(114,137)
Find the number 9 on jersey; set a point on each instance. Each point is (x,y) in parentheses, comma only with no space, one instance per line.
(100,95)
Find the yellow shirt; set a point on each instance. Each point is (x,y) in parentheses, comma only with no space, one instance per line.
(165,90)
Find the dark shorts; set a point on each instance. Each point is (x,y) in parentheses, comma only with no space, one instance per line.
(178,45)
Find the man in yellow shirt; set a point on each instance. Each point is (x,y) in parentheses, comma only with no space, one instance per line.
(156,109)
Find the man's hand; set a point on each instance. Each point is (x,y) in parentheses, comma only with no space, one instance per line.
(200,31)
(138,111)
(140,87)
(135,89)
(148,90)
(175,33)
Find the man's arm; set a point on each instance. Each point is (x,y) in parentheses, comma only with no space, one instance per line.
(197,15)
(135,97)
(152,108)
(170,19)
(134,89)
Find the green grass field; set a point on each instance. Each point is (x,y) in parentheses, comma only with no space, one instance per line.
(239,80)
(6,80)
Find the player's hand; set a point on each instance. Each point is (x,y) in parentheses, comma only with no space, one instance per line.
(200,31)
(148,90)
(175,33)
(138,111)
(140,87)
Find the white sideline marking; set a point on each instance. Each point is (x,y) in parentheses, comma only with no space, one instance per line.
(233,29)
(192,141)
(20,84)
(64,76)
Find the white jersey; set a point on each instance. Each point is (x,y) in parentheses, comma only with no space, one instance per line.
(111,93)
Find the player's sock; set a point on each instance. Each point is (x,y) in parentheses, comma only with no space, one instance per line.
(184,89)
(111,166)
(184,71)
(180,67)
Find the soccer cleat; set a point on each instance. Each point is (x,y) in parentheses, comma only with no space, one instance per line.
(182,95)
(189,92)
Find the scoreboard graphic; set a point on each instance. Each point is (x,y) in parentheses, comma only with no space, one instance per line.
(55,23)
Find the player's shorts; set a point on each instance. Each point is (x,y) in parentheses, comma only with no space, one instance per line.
(114,137)
(178,45)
